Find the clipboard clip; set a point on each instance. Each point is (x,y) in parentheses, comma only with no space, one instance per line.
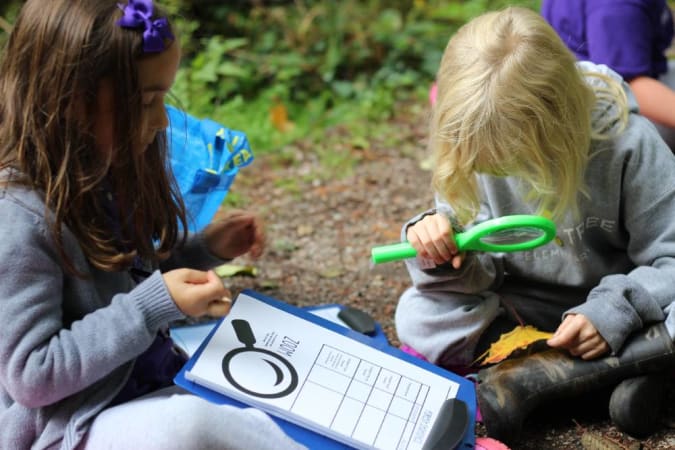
(450,426)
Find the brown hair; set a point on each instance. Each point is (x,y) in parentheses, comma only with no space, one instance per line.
(57,56)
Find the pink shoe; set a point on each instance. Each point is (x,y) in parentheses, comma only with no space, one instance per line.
(433,93)
(486,443)
(411,351)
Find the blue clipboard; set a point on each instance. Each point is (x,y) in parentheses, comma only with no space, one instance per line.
(190,337)
(466,394)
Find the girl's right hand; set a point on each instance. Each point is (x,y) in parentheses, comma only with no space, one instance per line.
(433,239)
(197,293)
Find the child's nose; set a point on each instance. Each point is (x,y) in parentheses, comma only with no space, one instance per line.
(160,119)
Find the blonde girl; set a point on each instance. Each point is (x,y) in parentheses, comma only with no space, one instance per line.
(520,128)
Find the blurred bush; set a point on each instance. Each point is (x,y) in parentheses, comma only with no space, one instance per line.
(279,70)
(284,69)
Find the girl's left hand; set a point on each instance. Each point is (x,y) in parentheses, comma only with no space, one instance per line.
(580,337)
(234,233)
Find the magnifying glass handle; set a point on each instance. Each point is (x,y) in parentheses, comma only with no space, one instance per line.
(393,252)
(403,250)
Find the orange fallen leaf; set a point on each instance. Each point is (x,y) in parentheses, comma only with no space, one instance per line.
(518,338)
(279,117)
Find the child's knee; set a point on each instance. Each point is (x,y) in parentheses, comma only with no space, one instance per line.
(206,425)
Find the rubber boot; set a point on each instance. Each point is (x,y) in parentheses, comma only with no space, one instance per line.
(509,391)
(636,404)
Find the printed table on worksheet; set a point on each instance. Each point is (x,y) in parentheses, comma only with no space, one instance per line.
(360,399)
(311,375)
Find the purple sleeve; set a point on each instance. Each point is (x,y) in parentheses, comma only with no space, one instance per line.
(568,19)
(623,37)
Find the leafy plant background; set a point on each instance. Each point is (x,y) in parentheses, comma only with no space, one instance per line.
(283,70)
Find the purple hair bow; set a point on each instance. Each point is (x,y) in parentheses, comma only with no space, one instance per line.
(138,14)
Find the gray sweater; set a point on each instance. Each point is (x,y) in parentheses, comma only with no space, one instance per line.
(615,263)
(68,344)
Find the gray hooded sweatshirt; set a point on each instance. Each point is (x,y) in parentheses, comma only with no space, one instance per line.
(615,263)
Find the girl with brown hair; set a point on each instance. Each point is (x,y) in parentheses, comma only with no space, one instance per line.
(95,260)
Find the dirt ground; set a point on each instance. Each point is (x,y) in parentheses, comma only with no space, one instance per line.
(321,227)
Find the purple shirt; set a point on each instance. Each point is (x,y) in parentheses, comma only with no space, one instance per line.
(154,369)
(629,36)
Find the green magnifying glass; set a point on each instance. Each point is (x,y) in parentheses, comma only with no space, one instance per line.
(504,234)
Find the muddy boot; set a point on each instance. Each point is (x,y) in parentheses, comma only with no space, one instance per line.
(636,404)
(509,391)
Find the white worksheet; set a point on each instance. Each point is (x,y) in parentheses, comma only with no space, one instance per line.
(320,379)
(190,337)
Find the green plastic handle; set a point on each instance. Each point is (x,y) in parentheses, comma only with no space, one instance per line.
(504,234)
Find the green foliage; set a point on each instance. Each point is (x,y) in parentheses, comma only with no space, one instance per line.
(8,13)
(348,61)
(318,63)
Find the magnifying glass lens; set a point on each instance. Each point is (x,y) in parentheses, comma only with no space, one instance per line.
(512,236)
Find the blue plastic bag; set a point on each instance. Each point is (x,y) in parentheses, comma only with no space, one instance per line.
(205,157)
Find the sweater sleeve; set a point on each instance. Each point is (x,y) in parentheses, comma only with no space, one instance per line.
(60,334)
(623,303)
(629,54)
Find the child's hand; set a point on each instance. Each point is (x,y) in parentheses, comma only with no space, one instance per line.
(580,337)
(432,237)
(234,233)
(197,293)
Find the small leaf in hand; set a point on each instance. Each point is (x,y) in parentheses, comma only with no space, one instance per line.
(230,270)
(518,338)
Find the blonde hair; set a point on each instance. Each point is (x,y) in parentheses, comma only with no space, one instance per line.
(511,101)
